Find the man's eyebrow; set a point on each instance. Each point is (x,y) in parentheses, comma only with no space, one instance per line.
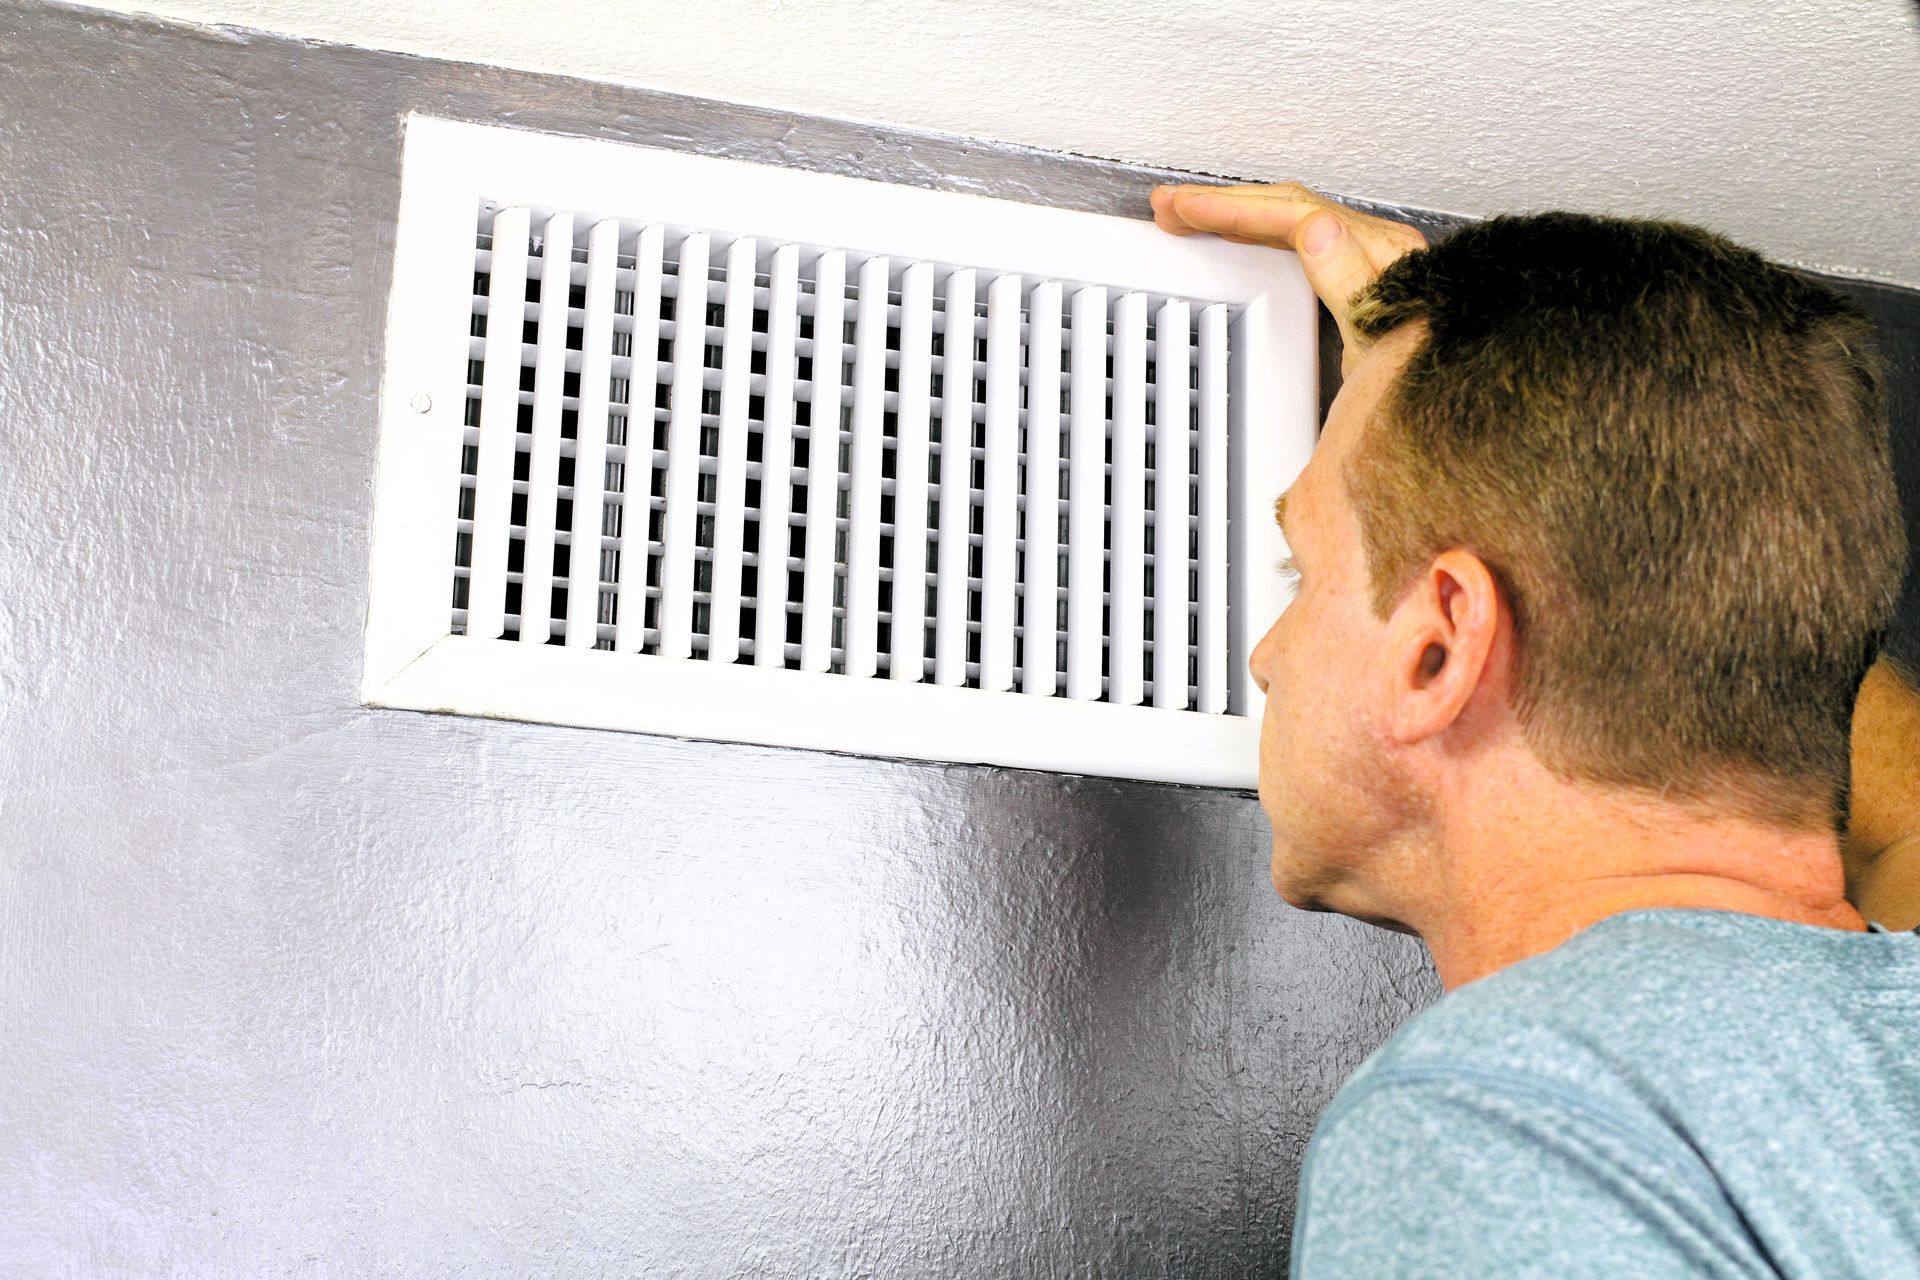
(1291,561)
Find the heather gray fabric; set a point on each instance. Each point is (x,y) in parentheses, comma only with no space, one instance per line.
(1669,1093)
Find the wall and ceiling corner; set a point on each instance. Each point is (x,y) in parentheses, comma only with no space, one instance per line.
(1738,115)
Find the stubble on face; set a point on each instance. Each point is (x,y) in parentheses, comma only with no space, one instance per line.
(1332,786)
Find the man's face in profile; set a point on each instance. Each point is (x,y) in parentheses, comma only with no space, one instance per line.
(1328,781)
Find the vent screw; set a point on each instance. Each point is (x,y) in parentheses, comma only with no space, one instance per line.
(421,402)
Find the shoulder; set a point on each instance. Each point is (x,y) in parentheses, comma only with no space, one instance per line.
(1619,1106)
(1586,1048)
(1580,1040)
(1631,989)
(1511,1126)
(1437,1167)
(1651,995)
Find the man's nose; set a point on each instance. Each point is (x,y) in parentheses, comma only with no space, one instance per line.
(1257,660)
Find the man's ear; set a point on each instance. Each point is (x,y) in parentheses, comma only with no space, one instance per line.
(1443,637)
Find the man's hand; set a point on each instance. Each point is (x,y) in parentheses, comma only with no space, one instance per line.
(1882,848)
(1343,251)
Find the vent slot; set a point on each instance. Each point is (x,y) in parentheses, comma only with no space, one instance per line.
(689,446)
(722,448)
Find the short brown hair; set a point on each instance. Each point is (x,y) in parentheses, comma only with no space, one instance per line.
(1673,455)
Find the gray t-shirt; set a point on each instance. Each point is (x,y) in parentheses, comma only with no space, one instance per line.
(1669,1093)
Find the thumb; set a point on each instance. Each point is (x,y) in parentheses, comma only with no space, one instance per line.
(1336,264)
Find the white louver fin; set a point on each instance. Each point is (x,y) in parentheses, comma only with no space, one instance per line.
(696,447)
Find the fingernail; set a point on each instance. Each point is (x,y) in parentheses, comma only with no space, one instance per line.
(1321,233)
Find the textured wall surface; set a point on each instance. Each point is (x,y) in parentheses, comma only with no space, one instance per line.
(288,986)
(1789,126)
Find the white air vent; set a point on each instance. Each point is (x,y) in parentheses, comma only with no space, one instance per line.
(697,447)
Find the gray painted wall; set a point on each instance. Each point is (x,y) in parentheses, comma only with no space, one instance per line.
(288,986)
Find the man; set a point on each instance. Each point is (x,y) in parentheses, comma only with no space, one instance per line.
(1598,543)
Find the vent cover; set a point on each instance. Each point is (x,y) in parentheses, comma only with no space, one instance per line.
(699,447)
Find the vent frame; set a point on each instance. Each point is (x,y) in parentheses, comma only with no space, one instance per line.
(415,661)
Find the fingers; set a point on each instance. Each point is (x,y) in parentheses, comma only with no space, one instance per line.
(1273,215)
(1338,266)
(1342,250)
(1163,216)
(1258,215)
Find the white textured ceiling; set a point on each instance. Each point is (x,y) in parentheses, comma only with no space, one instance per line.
(1790,126)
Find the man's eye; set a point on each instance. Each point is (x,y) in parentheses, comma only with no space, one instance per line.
(1288,571)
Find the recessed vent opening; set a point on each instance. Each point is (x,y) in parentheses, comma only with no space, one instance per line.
(823,460)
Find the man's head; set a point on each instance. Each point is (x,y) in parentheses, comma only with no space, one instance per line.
(1614,493)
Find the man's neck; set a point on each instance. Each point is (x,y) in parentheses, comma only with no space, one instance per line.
(1526,862)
